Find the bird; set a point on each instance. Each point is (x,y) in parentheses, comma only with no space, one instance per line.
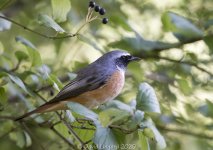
(95,84)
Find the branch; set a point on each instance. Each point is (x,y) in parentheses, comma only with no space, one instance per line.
(65,139)
(186,132)
(177,61)
(180,44)
(6,118)
(32,135)
(188,63)
(8,132)
(38,33)
(64,122)
(71,130)
(126,131)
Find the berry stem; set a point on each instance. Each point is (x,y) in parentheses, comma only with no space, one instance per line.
(93,18)
(88,13)
(81,27)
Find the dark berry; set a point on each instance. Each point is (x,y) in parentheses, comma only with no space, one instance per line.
(97,8)
(91,4)
(102,11)
(105,21)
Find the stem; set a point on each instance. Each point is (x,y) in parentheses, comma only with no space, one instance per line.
(38,33)
(65,139)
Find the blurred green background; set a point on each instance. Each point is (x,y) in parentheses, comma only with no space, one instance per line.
(174,38)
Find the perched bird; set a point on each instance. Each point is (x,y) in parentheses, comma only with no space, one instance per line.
(94,85)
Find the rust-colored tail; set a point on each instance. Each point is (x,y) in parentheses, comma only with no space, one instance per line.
(43,108)
(26,115)
(47,107)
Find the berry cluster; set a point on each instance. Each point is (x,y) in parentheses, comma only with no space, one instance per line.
(98,9)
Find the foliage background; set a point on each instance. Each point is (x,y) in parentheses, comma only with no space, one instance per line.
(180,69)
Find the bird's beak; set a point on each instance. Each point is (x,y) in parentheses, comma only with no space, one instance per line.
(135,58)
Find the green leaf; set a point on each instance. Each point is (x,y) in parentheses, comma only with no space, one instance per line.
(3,96)
(20,55)
(60,9)
(4,24)
(33,53)
(207,109)
(181,27)
(61,128)
(81,110)
(184,86)
(119,105)
(55,81)
(154,131)
(112,116)
(25,42)
(139,44)
(34,57)
(18,137)
(148,133)
(209,42)
(28,140)
(18,82)
(90,42)
(52,79)
(70,116)
(147,99)
(22,138)
(104,138)
(50,23)
(1,48)
(135,120)
(84,135)
(143,140)
(208,23)
(138,116)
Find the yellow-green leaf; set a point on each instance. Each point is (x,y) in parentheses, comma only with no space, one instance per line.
(60,8)
(50,23)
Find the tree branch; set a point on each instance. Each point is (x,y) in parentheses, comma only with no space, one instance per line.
(179,44)
(38,33)
(65,139)
(6,118)
(186,132)
(8,132)
(187,63)
(65,123)
(32,135)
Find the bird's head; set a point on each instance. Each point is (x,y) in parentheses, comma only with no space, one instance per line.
(118,58)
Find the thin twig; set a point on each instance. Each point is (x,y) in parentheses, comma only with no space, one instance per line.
(8,132)
(64,122)
(179,44)
(72,131)
(186,62)
(16,67)
(82,127)
(186,132)
(5,3)
(38,33)
(6,118)
(32,135)
(65,139)
(126,131)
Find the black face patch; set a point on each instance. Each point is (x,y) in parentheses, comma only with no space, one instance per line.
(123,61)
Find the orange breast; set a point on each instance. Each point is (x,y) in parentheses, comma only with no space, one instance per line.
(103,94)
